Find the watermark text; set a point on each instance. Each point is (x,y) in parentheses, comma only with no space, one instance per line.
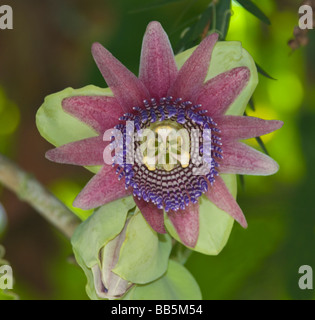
(6,17)
(6,277)
(306,280)
(306,20)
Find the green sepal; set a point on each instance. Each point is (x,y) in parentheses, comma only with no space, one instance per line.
(57,126)
(143,255)
(176,284)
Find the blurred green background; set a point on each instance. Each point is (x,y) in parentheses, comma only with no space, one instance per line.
(49,50)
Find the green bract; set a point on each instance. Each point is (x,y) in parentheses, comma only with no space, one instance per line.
(57,126)
(117,250)
(144,254)
(176,284)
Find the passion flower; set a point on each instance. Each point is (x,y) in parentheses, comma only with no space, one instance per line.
(165,98)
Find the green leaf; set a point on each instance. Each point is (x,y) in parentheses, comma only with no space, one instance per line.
(223,16)
(192,35)
(262,145)
(254,10)
(258,139)
(252,104)
(176,284)
(144,254)
(263,72)
(216,18)
(242,181)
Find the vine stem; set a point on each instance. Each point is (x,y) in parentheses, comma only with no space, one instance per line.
(31,191)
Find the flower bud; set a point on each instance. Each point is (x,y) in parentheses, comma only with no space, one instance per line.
(117,249)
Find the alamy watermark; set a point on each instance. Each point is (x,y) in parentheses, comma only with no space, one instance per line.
(306,20)
(162,147)
(6,277)
(306,280)
(6,17)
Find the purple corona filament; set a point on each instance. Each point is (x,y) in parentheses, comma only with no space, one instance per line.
(175,189)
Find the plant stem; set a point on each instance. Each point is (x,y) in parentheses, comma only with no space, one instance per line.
(31,191)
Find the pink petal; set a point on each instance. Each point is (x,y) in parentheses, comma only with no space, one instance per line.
(237,127)
(193,73)
(104,187)
(158,69)
(127,88)
(242,159)
(222,198)
(152,214)
(99,112)
(186,223)
(220,92)
(87,152)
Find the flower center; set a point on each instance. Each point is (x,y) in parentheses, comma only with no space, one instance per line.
(167,146)
(167,151)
